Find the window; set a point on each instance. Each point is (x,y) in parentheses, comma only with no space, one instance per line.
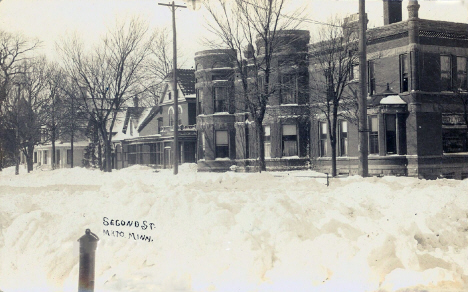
(35,157)
(220,76)
(343,139)
(445,73)
(222,144)
(160,125)
(454,140)
(45,157)
(179,115)
(267,141)
(462,81)
(288,89)
(132,154)
(247,142)
(220,98)
(404,77)
(354,72)
(203,143)
(371,78)
(200,102)
(289,140)
(391,133)
(69,156)
(323,139)
(171,117)
(373,135)
(57,157)
(169,96)
(159,153)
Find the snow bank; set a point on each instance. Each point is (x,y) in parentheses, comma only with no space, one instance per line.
(233,231)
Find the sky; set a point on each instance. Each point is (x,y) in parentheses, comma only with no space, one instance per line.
(52,20)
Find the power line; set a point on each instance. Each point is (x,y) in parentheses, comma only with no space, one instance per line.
(303,19)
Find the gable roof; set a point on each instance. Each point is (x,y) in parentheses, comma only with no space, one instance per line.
(154,110)
(185,80)
(134,114)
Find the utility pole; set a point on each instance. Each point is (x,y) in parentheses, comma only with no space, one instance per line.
(363,169)
(17,140)
(175,145)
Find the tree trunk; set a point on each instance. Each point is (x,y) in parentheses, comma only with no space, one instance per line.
(108,153)
(333,137)
(100,155)
(29,158)
(333,149)
(53,148)
(261,145)
(71,148)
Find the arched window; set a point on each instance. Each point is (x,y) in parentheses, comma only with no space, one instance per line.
(171,115)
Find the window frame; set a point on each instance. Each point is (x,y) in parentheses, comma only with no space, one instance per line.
(391,137)
(448,84)
(373,135)
(404,73)
(220,104)
(462,83)
(267,141)
(289,138)
(371,77)
(343,138)
(289,88)
(221,149)
(323,139)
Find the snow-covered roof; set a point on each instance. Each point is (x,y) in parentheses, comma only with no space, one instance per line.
(392,99)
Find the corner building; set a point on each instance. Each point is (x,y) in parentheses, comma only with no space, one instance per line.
(417,82)
(226,135)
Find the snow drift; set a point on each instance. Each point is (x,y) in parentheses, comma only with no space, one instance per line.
(233,232)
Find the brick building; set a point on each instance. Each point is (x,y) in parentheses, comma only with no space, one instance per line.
(226,135)
(417,82)
(416,124)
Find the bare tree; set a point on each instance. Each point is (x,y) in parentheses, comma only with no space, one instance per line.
(55,111)
(14,49)
(109,73)
(334,59)
(243,25)
(25,108)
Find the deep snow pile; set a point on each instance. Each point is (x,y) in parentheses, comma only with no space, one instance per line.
(233,232)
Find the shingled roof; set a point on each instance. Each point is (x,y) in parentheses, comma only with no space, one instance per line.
(185,79)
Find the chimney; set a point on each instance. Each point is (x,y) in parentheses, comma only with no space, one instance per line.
(413,9)
(136,101)
(392,11)
(249,51)
(351,24)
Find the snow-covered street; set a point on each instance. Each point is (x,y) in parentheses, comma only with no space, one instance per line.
(233,231)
